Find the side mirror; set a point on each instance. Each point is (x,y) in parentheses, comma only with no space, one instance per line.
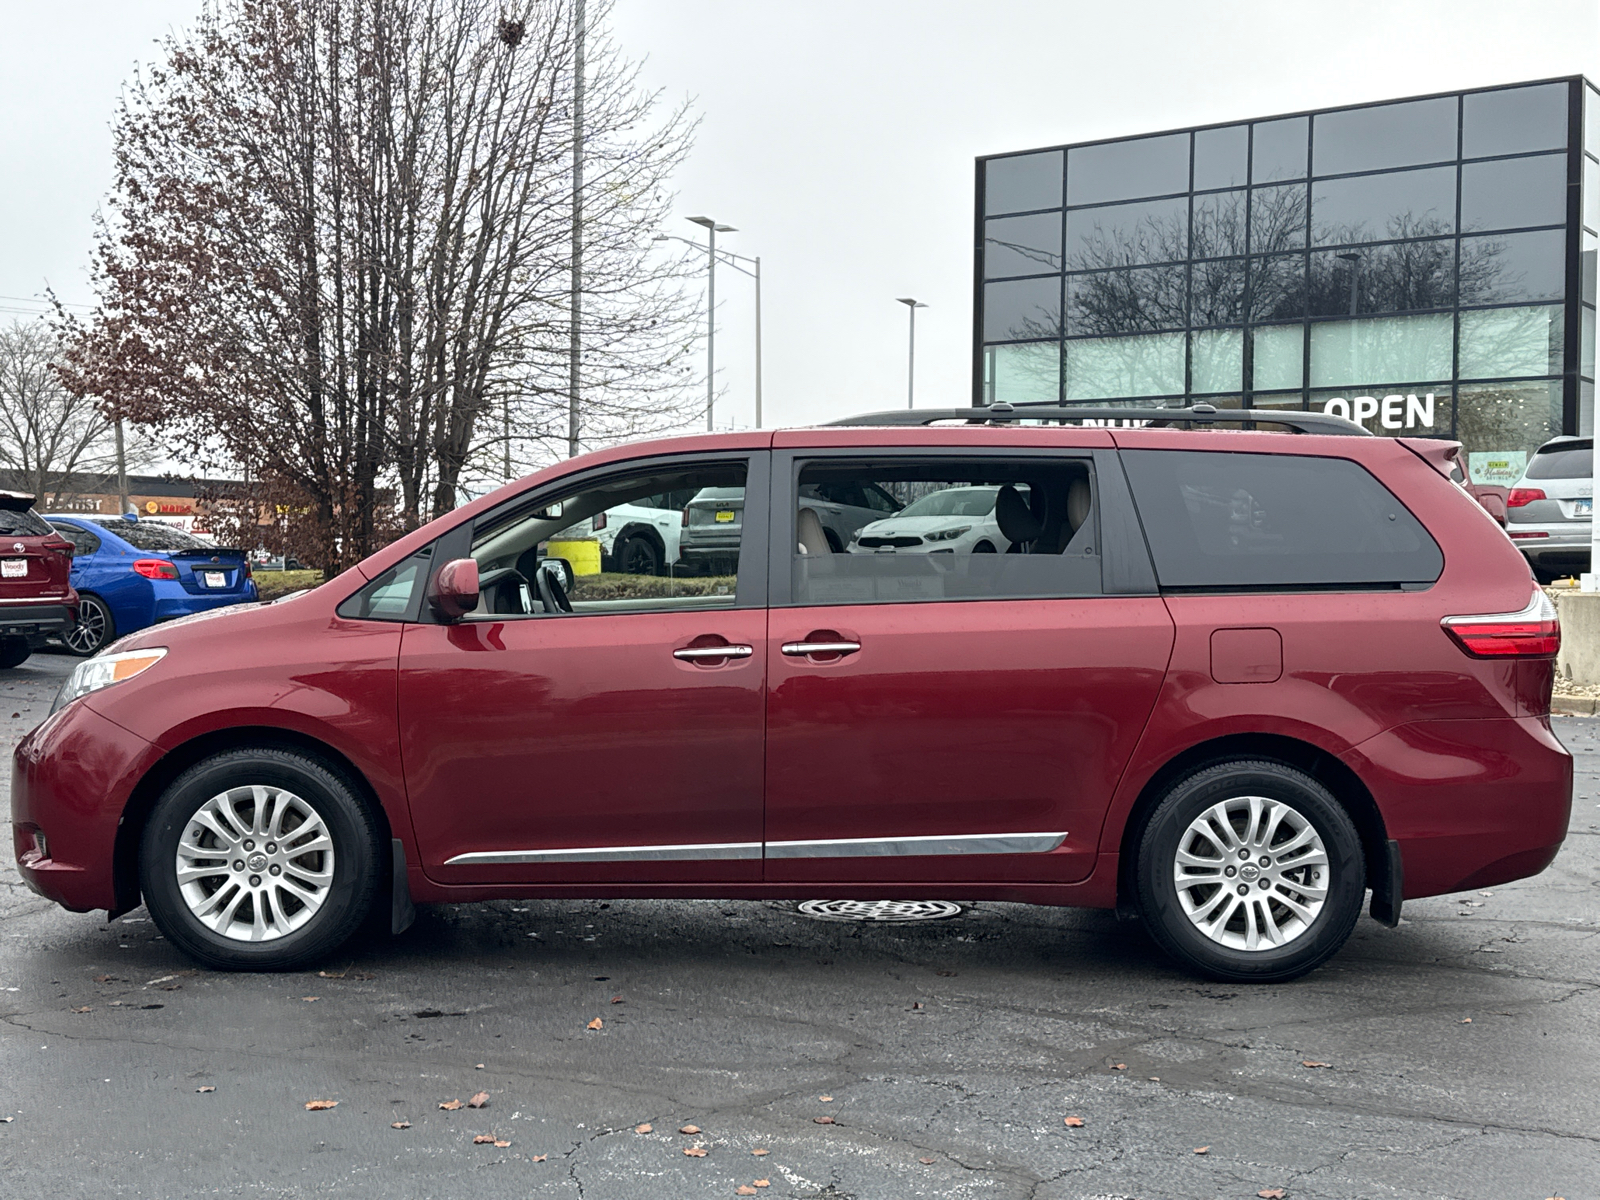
(455,589)
(560,568)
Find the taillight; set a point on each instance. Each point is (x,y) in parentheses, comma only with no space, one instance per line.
(155,568)
(1535,632)
(1521,496)
(685,521)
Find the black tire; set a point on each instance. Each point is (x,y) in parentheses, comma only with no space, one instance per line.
(984,548)
(638,554)
(95,628)
(351,827)
(14,651)
(1311,943)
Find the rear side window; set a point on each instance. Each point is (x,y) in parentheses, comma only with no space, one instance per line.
(1565,462)
(83,542)
(1223,520)
(22,522)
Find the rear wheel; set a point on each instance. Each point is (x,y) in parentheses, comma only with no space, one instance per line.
(94,629)
(259,860)
(14,651)
(1250,871)
(638,555)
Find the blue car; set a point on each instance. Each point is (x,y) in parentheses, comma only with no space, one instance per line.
(130,574)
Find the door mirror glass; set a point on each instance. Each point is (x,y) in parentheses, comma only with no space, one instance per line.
(455,589)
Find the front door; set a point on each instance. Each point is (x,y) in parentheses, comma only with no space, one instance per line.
(940,711)
(589,724)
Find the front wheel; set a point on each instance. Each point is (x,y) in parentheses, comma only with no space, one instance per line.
(260,860)
(1250,872)
(14,651)
(94,629)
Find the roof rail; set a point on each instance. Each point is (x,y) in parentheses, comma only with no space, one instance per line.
(1043,410)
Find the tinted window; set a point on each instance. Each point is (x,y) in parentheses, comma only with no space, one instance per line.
(1217,228)
(1155,166)
(1125,235)
(22,523)
(1379,207)
(1399,277)
(1515,121)
(1022,245)
(976,529)
(1514,192)
(1216,292)
(1025,182)
(1277,218)
(1279,150)
(83,542)
(1575,462)
(153,535)
(1277,287)
(1022,310)
(1219,520)
(1125,301)
(389,596)
(1221,157)
(1507,267)
(1390,135)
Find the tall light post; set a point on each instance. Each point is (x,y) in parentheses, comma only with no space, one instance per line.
(712,229)
(574,347)
(911,351)
(729,259)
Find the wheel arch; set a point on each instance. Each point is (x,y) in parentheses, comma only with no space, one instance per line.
(142,800)
(1346,786)
(641,529)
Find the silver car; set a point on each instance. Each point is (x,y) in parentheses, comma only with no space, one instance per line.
(1551,509)
(713,520)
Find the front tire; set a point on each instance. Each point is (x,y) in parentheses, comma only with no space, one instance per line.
(259,860)
(1250,872)
(94,629)
(14,651)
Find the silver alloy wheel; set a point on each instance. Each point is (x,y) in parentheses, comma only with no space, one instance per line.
(255,863)
(1251,873)
(90,632)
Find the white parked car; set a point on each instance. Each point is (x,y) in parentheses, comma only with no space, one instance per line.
(640,538)
(956,520)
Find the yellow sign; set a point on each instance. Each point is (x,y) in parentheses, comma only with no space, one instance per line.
(151,507)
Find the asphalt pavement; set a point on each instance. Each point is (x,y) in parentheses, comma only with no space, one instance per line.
(1453,1057)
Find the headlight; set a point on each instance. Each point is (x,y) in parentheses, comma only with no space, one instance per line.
(947,535)
(92,674)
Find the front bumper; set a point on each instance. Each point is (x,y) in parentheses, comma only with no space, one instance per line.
(71,779)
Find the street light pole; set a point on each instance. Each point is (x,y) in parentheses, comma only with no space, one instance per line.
(758,341)
(911,351)
(712,229)
(575,344)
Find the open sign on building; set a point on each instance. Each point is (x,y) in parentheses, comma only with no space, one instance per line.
(1393,411)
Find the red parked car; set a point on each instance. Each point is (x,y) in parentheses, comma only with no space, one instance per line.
(1227,681)
(36,597)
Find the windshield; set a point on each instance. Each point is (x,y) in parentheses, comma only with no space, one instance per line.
(1575,462)
(954,502)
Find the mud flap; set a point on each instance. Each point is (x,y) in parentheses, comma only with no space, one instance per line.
(1389,888)
(401,911)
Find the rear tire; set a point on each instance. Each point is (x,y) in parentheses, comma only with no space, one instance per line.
(14,651)
(259,860)
(637,554)
(94,629)
(1250,872)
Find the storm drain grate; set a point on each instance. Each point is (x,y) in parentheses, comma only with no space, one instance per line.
(880,911)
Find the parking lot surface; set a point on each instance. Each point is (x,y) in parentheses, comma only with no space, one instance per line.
(1008,1052)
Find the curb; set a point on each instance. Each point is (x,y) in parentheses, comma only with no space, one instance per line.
(1572,706)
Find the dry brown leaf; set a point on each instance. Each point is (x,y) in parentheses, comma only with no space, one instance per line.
(1314,1064)
(501,1142)
(1271,1193)
(399,1124)
(478,1101)
(761,1153)
(823,1120)
(690,1129)
(320,1105)
(1119,1066)
(826,1099)
(450,1105)
(645,1128)
(695,1151)
(104,978)
(618,1000)
(1072,1122)
(84,1009)
(477,1066)
(1464,1021)
(208,1088)
(330,974)
(538,1158)
(597,1023)
(1202,1149)
(483,1139)
(744,1189)
(310,999)
(925,1161)
(761,1183)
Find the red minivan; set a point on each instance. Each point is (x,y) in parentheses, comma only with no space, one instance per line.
(1224,680)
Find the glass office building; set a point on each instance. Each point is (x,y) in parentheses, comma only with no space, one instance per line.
(1425,266)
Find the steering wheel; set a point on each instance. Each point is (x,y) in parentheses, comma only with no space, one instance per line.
(552,593)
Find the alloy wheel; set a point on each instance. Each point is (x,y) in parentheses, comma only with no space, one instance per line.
(1251,873)
(89,634)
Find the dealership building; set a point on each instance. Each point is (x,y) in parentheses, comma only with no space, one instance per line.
(1424,266)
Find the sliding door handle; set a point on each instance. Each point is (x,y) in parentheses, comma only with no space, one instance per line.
(802,649)
(695,653)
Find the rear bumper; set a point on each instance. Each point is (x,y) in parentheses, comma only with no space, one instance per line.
(1471,803)
(185,604)
(25,619)
(1564,542)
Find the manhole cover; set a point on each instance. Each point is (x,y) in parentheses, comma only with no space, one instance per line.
(880,911)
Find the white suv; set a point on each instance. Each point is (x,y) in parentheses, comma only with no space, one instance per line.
(1550,512)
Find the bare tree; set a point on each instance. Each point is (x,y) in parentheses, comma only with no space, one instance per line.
(337,250)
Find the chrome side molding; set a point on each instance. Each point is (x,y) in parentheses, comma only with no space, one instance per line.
(971,843)
(587,854)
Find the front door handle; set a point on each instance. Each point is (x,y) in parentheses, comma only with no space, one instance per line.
(801,649)
(694,653)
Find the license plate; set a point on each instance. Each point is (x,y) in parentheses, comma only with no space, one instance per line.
(725,518)
(1583,508)
(13,568)
(216,579)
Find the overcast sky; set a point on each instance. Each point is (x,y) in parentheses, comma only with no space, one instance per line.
(839,137)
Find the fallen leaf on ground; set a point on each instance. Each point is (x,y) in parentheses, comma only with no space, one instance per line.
(207,1088)
(690,1129)
(1464,1021)
(84,1009)
(1072,1122)
(310,999)
(330,974)
(104,978)
(1202,1149)
(478,1101)
(450,1105)
(761,1153)
(538,1157)
(645,1128)
(501,1142)
(399,1124)
(1155,1079)
(6,1120)
(761,1183)
(695,1151)
(478,1067)
(1119,1066)
(823,1120)
(1271,1194)
(483,1139)
(916,1004)
(320,1105)
(925,1161)
(597,1023)
(825,1099)
(1313,1064)
(618,1000)
(744,1189)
